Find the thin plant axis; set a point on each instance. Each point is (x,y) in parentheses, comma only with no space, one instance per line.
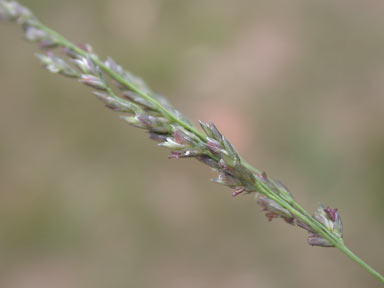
(139,106)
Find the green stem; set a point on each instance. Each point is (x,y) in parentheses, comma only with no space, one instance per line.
(316,226)
(290,205)
(351,255)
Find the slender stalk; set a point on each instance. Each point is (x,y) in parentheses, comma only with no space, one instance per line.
(338,243)
(351,255)
(164,124)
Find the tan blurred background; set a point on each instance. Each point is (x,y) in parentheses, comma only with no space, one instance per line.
(87,201)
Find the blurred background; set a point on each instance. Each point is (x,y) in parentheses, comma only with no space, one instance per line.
(297,86)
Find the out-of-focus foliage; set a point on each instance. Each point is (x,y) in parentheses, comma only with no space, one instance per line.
(86,201)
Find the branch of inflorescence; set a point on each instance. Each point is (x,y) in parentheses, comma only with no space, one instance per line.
(304,216)
(292,207)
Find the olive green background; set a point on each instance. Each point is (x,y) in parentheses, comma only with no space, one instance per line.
(297,86)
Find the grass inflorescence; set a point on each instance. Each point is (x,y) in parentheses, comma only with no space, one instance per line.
(140,107)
